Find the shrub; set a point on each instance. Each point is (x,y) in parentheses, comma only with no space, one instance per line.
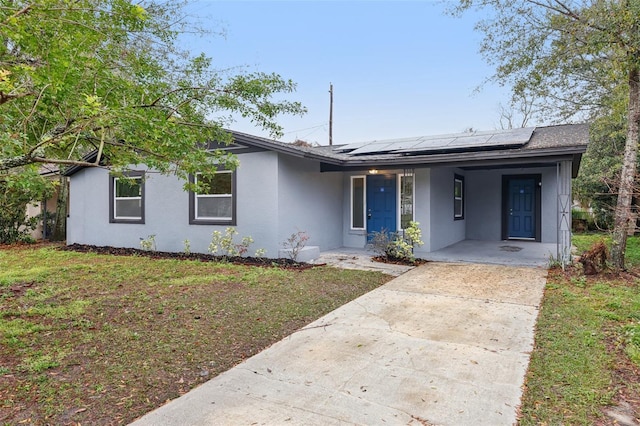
(296,242)
(397,245)
(15,194)
(224,245)
(149,243)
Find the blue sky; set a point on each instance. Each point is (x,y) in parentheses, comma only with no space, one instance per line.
(398,68)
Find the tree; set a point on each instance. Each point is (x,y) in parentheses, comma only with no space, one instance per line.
(579,58)
(517,114)
(597,184)
(16,193)
(110,76)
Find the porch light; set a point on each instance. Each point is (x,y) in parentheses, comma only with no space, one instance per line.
(373,171)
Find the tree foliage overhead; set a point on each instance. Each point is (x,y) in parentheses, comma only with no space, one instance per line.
(572,57)
(580,59)
(110,75)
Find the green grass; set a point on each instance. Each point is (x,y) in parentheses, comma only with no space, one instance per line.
(584,242)
(97,339)
(587,329)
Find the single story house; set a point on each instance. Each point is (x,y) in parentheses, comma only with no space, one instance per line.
(496,185)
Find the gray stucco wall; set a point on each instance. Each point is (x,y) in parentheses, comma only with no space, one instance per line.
(484,203)
(444,229)
(276,195)
(422,207)
(309,201)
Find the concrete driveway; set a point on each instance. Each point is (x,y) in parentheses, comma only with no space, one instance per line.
(443,344)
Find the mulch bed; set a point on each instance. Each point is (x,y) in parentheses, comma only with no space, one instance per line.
(384,259)
(202,257)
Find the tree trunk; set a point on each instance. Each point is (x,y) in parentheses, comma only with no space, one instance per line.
(60,227)
(628,173)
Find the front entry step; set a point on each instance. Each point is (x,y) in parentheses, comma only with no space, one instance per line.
(306,254)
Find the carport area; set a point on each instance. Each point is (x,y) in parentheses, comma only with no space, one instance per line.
(507,252)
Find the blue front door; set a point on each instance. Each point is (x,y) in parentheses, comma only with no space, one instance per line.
(522,208)
(381,203)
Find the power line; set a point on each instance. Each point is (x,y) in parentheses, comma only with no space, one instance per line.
(307,128)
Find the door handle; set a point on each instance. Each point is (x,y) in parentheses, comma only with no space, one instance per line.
(369,214)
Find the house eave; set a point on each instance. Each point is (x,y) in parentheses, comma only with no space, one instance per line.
(465,160)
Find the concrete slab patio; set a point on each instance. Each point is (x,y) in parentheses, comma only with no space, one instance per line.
(507,252)
(443,344)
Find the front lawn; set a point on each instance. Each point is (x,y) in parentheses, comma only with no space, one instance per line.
(586,359)
(98,339)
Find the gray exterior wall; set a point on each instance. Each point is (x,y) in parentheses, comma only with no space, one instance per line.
(276,195)
(422,207)
(484,203)
(444,230)
(309,201)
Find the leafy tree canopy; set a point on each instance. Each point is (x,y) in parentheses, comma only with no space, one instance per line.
(110,75)
(572,57)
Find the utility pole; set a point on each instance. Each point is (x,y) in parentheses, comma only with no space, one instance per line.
(330,114)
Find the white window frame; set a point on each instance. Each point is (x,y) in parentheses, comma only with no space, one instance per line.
(116,199)
(458,178)
(197,197)
(364,203)
(399,177)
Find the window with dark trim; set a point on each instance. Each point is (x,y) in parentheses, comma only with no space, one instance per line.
(217,204)
(458,197)
(126,198)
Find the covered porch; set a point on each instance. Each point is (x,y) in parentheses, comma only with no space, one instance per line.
(510,252)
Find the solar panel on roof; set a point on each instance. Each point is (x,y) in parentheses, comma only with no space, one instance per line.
(469,141)
(478,140)
(514,136)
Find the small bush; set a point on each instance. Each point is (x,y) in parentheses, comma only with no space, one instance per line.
(396,245)
(225,246)
(582,220)
(149,243)
(296,242)
(15,195)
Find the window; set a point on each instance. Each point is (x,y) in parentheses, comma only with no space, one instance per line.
(406,199)
(458,197)
(217,204)
(126,198)
(358,202)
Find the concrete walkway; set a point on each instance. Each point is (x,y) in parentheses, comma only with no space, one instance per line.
(443,344)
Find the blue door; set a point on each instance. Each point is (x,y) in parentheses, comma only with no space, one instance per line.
(381,203)
(522,208)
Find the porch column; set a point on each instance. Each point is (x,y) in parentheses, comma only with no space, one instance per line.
(564,212)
